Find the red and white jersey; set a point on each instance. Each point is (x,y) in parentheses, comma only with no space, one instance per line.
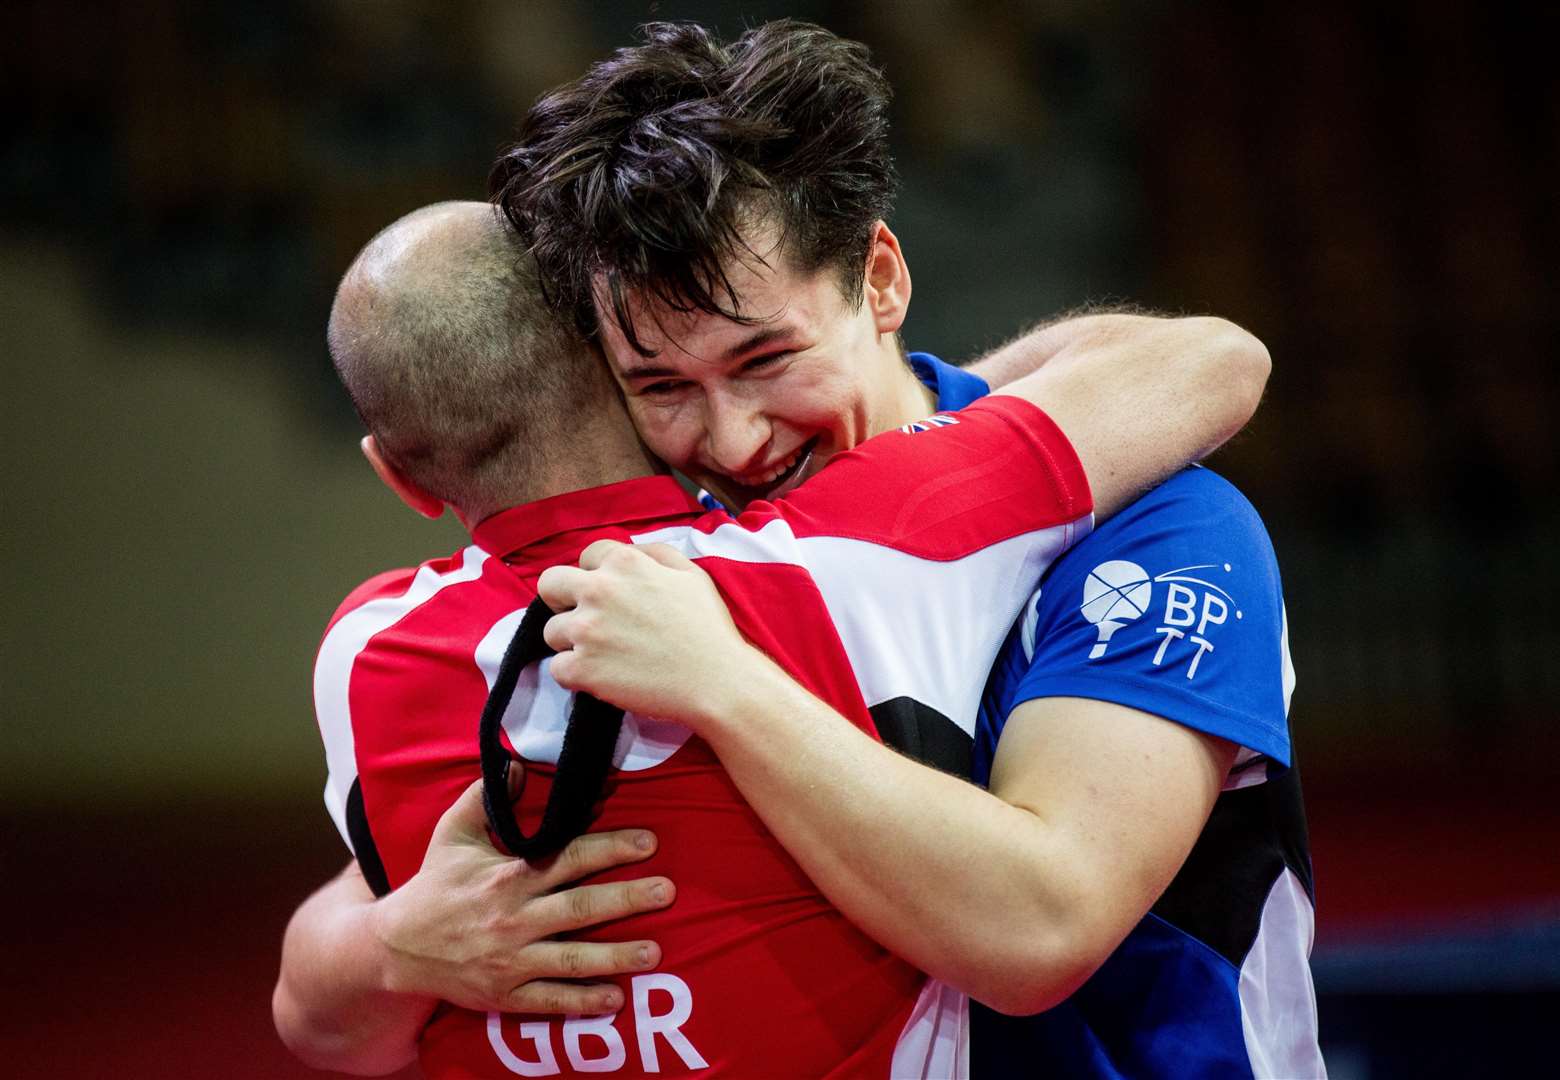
(892,576)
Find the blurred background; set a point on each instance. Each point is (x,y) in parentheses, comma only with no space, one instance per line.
(1372,189)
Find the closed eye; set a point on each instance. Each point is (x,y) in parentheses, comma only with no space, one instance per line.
(664,388)
(758,363)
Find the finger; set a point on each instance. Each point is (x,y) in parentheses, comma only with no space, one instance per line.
(590,959)
(596,554)
(465,819)
(667,555)
(588,905)
(563,999)
(559,586)
(564,672)
(559,634)
(585,855)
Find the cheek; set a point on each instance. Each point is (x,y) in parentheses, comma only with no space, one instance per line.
(821,399)
(671,432)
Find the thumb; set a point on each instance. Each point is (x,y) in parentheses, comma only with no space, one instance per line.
(466,818)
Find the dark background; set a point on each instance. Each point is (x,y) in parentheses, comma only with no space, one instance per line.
(1371,191)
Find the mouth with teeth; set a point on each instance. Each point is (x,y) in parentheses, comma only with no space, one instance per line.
(770,483)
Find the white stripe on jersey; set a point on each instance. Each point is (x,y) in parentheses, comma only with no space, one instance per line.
(1283,648)
(1277,1001)
(935,1042)
(912,627)
(1239,775)
(333,671)
(923,629)
(1031,625)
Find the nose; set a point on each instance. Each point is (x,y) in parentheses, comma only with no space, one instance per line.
(736,433)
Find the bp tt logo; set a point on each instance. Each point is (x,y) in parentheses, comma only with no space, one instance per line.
(1119,592)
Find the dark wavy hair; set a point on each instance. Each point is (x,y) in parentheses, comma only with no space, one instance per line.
(648,171)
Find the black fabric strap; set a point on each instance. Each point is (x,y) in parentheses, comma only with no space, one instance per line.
(583,762)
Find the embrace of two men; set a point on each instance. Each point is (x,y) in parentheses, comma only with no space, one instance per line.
(689,266)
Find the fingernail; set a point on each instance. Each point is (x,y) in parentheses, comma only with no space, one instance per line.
(609,1003)
(643,956)
(660,893)
(644,841)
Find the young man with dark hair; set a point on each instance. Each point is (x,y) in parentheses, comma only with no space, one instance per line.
(714,212)
(760,976)
(641,188)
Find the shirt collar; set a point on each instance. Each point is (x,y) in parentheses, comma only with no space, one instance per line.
(954,387)
(624,504)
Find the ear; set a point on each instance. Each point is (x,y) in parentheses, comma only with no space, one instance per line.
(886,288)
(429,506)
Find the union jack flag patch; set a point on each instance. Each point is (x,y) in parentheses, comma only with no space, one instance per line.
(940,420)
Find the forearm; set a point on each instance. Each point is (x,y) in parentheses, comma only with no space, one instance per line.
(1140,397)
(330,1006)
(1027,352)
(971,890)
(1043,341)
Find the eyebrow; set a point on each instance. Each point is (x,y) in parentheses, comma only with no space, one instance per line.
(752,343)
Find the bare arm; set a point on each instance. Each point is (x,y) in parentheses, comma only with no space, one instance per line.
(330,1004)
(360,977)
(1015,896)
(1027,352)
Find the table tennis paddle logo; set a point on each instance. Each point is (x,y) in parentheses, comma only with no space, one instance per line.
(1114,594)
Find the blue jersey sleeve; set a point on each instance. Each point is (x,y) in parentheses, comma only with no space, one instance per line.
(1173,607)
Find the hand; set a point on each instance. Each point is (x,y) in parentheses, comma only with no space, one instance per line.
(473,925)
(641,627)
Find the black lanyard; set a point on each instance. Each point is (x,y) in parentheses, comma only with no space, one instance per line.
(583,762)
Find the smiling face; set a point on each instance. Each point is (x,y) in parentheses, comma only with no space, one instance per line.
(751,409)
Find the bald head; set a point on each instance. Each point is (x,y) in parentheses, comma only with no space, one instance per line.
(471,386)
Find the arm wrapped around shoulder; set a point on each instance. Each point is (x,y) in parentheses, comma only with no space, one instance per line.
(1140,397)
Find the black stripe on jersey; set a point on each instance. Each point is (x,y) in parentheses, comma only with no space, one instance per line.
(1252,836)
(363,842)
(921,732)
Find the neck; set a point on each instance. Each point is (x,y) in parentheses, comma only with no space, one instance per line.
(911,400)
(597,470)
(608,461)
